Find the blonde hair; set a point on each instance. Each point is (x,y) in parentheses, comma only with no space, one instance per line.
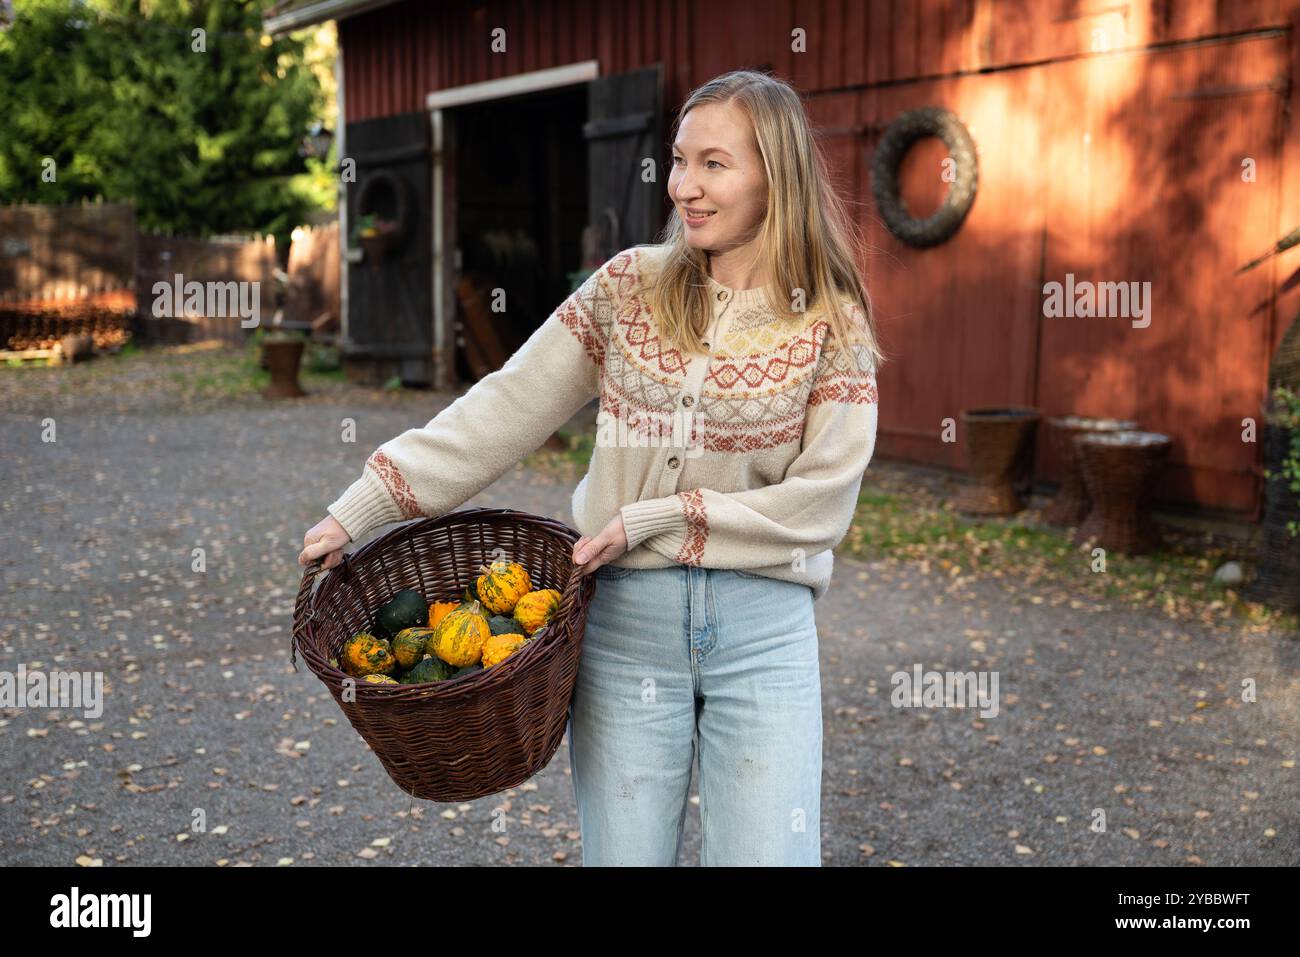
(808,239)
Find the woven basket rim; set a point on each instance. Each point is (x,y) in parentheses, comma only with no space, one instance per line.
(377,692)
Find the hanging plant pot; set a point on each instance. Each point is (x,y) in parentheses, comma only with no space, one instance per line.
(996,441)
(384,215)
(375,248)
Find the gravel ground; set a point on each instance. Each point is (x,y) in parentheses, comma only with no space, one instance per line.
(1102,709)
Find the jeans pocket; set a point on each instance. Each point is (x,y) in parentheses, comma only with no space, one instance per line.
(612,573)
(745,574)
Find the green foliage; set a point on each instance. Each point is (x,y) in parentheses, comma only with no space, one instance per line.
(201,133)
(1286,413)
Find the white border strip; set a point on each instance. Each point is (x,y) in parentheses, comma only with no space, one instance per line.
(566,75)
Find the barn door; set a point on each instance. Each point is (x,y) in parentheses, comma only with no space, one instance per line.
(389,299)
(624,128)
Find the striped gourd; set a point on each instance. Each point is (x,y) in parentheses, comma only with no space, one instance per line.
(409,645)
(459,637)
(501,585)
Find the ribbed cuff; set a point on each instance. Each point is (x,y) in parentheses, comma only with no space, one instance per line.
(364,506)
(655,516)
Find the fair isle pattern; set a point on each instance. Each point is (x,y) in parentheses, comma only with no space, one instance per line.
(395,484)
(577,312)
(638,331)
(652,424)
(755,390)
(697,527)
(763,357)
(845,380)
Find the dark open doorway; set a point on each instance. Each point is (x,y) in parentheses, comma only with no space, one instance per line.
(521,197)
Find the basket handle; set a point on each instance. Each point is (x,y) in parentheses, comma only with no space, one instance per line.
(571,588)
(302,612)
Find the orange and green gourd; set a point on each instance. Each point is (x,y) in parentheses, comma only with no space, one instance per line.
(364,654)
(537,608)
(378,680)
(459,638)
(439,610)
(410,645)
(500,647)
(501,586)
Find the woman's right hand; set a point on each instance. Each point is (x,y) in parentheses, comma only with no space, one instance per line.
(326,538)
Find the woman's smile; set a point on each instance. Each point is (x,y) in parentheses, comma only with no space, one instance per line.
(696,217)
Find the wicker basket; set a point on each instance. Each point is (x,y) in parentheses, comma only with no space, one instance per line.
(1120,470)
(1071,504)
(466,737)
(999,444)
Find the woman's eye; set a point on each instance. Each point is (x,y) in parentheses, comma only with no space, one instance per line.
(681,161)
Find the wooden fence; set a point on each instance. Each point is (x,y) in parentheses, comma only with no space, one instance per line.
(87,264)
(312,295)
(66,252)
(168,269)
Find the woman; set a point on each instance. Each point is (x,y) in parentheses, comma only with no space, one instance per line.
(735,364)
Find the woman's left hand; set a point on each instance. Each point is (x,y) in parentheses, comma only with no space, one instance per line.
(604,548)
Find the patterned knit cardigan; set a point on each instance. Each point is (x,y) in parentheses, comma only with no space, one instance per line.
(749,457)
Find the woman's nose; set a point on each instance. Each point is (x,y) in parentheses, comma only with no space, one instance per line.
(686,189)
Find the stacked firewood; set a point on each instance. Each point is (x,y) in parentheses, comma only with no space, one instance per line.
(24,327)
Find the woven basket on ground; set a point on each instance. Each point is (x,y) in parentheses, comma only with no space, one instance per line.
(998,441)
(1119,469)
(466,737)
(1070,505)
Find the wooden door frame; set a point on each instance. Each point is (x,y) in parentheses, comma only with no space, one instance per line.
(444,267)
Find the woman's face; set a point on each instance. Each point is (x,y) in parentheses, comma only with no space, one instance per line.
(718,184)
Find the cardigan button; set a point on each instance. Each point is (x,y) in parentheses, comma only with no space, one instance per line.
(688,400)
(674,462)
(705,344)
(722,295)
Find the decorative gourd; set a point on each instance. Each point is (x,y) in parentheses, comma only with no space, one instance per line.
(500,647)
(406,609)
(537,608)
(410,645)
(364,654)
(458,639)
(469,594)
(467,670)
(474,606)
(504,625)
(430,669)
(439,610)
(378,680)
(501,585)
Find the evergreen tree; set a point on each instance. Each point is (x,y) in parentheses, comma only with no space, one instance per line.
(182,106)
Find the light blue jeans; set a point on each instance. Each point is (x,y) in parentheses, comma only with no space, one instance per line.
(681,659)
